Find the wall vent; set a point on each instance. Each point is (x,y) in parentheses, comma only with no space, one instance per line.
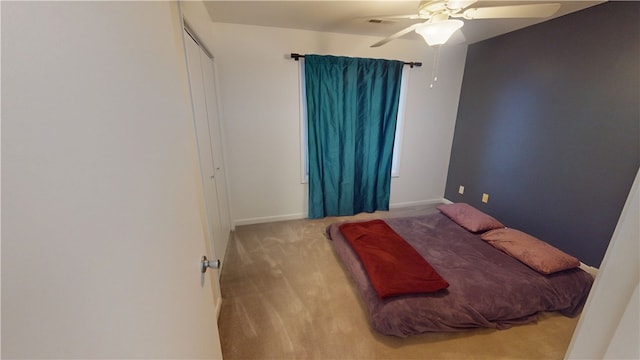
(379,21)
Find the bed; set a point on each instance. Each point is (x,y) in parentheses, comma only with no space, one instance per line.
(485,286)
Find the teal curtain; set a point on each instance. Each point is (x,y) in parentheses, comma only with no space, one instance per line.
(352,105)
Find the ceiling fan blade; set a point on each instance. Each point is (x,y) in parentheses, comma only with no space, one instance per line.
(397,35)
(513,11)
(459,4)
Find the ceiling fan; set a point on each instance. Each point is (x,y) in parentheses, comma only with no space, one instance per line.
(442,17)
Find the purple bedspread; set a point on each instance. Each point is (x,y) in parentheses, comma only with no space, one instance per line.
(488,288)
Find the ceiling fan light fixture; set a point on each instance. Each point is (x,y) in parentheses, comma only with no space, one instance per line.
(439,32)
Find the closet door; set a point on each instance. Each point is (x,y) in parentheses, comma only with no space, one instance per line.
(201,124)
(215,134)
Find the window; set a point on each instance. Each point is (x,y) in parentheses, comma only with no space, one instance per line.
(397,145)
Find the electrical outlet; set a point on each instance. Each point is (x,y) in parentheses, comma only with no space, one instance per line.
(485,198)
(461,189)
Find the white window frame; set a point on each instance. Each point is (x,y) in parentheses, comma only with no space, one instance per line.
(397,143)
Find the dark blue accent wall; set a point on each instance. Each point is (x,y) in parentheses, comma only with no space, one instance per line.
(549,126)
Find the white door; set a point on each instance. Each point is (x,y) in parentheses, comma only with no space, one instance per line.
(215,132)
(209,143)
(102,215)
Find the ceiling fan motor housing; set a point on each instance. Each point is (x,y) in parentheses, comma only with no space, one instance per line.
(428,8)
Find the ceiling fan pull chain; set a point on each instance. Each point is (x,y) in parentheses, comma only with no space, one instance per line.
(434,70)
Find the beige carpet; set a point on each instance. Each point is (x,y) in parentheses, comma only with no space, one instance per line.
(286,296)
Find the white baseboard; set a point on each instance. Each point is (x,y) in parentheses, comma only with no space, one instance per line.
(418,203)
(267,219)
(590,269)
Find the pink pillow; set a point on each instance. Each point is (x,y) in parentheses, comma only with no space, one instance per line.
(534,252)
(469,217)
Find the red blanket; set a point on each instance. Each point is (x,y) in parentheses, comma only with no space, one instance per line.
(394,267)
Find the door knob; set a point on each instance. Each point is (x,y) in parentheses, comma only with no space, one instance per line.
(205,264)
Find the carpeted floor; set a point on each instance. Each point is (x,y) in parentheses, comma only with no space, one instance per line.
(286,296)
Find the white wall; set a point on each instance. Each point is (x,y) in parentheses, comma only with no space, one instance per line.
(609,327)
(259,90)
(102,210)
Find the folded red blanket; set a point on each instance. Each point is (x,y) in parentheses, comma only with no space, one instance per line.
(394,267)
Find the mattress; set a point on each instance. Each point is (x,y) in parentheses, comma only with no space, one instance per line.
(487,288)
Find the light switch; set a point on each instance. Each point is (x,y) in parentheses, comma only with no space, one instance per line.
(485,198)
(461,189)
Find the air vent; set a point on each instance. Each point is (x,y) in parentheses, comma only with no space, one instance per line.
(379,21)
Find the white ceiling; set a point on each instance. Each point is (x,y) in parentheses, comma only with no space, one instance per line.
(351,17)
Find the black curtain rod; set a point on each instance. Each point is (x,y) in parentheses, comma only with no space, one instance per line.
(295,57)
